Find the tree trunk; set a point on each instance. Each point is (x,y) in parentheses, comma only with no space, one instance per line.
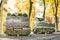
(44,8)
(55,14)
(30,7)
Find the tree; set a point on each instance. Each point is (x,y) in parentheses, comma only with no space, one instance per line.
(30,7)
(55,13)
(44,8)
(48,19)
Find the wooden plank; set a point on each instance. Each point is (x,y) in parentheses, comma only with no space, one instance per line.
(44,27)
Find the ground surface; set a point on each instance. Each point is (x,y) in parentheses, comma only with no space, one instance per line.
(33,37)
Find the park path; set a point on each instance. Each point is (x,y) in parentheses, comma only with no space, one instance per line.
(39,37)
